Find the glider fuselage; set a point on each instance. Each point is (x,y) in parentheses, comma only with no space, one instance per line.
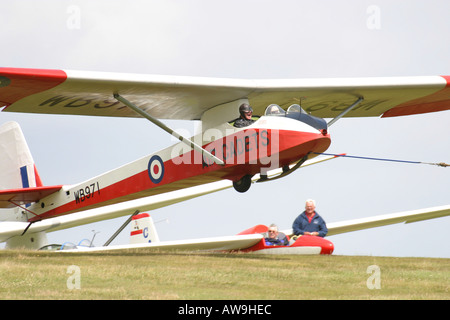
(269,143)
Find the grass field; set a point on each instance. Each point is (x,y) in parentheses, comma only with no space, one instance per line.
(173,276)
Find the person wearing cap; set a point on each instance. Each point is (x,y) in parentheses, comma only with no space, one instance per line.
(245,119)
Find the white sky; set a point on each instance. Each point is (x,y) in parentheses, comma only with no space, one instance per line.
(249,39)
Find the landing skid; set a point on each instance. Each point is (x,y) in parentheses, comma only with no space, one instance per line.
(245,182)
(286,171)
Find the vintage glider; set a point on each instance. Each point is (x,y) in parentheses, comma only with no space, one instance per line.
(143,236)
(285,136)
(20,170)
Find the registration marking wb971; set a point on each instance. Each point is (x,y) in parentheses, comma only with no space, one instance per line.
(87,192)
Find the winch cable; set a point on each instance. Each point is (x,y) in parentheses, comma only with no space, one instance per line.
(440,164)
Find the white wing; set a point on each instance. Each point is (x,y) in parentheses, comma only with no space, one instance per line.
(172,97)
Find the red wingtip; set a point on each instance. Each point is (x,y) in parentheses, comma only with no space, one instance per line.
(438,101)
(18,83)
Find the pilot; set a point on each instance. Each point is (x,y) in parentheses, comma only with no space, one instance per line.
(245,119)
(309,222)
(275,238)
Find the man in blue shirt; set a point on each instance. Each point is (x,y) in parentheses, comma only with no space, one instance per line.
(309,222)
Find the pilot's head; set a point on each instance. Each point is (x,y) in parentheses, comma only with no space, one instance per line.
(273,231)
(245,111)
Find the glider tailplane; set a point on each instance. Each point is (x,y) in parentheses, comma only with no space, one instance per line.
(143,229)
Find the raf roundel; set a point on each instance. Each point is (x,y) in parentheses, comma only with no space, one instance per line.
(156,169)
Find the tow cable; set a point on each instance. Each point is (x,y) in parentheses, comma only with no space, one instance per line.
(440,164)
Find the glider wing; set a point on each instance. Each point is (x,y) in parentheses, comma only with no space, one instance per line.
(387,219)
(187,98)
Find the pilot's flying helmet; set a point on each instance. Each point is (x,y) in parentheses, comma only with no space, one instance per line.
(245,108)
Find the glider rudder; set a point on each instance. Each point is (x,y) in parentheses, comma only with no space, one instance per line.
(143,229)
(17,168)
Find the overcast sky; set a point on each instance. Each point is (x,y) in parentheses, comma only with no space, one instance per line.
(249,39)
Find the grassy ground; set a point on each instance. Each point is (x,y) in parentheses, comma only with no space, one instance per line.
(165,275)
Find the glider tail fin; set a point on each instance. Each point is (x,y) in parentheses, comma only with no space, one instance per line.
(17,168)
(143,229)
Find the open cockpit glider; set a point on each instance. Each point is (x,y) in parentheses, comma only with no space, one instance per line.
(284,137)
(143,236)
